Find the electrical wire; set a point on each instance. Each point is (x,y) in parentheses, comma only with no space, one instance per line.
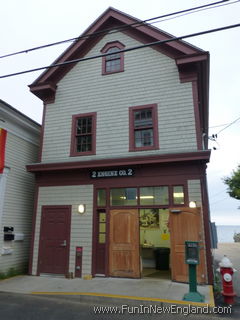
(219,125)
(125,26)
(216,194)
(211,204)
(196,11)
(230,124)
(151,44)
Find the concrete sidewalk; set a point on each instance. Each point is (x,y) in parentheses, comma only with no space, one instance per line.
(147,289)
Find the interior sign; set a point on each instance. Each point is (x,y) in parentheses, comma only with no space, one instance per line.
(112,173)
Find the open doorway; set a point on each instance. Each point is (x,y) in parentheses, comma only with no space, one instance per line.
(154,243)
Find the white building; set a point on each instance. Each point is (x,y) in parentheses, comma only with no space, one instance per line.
(19,145)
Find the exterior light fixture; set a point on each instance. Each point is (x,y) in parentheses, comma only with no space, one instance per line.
(81,208)
(192,204)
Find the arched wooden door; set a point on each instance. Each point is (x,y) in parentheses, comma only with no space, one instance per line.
(186,226)
(124,243)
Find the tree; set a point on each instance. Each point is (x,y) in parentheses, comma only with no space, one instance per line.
(233,183)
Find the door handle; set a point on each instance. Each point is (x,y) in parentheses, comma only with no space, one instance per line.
(64,244)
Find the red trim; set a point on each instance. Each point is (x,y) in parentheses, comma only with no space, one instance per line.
(187,76)
(94,232)
(33,230)
(3,140)
(161,158)
(193,63)
(73,152)
(110,18)
(132,146)
(200,56)
(45,92)
(107,46)
(203,89)
(198,128)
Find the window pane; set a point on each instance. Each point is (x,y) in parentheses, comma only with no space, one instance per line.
(178,195)
(144,138)
(84,143)
(101,198)
(143,118)
(154,196)
(84,125)
(89,125)
(161,195)
(113,56)
(102,238)
(102,217)
(102,227)
(123,197)
(113,65)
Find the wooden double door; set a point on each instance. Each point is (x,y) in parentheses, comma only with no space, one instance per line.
(124,246)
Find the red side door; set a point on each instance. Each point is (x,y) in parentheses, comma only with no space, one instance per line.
(54,239)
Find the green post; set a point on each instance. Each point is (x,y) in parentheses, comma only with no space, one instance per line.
(192,278)
(192,259)
(193,294)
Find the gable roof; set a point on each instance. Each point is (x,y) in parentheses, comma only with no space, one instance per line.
(10,110)
(184,53)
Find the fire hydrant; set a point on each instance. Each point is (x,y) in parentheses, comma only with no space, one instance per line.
(226,269)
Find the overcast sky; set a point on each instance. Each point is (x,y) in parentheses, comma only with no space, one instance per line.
(25,24)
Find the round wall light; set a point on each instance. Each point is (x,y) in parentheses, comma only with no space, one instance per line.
(192,204)
(81,208)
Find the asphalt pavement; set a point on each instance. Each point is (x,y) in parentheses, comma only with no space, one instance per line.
(44,298)
(15,306)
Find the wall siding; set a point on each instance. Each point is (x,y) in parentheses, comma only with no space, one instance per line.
(18,201)
(194,191)
(81,225)
(149,77)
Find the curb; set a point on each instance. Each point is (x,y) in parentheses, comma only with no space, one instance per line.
(101,297)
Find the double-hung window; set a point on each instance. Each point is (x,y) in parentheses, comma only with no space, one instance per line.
(143,123)
(83,134)
(114,61)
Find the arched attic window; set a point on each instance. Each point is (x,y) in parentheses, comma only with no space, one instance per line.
(114,62)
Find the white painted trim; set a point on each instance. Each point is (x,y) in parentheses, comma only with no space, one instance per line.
(20,135)
(20,126)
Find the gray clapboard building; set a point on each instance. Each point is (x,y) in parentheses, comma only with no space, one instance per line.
(19,145)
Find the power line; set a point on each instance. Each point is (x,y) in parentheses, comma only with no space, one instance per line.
(187,13)
(218,201)
(224,124)
(115,30)
(219,125)
(216,194)
(123,50)
(230,124)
